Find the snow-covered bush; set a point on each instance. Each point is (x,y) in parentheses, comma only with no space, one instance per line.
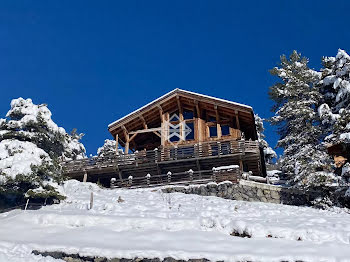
(109,148)
(269,153)
(31,145)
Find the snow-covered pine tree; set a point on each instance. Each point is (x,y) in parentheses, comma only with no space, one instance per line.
(30,147)
(335,89)
(296,116)
(269,153)
(108,149)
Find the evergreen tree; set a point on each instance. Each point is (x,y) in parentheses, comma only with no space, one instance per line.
(31,145)
(269,153)
(296,100)
(109,148)
(335,89)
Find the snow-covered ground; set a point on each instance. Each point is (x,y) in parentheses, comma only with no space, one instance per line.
(149,223)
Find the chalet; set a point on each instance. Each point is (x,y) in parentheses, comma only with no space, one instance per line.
(340,153)
(180,131)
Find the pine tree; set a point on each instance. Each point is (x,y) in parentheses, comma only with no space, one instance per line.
(296,116)
(31,145)
(269,153)
(335,104)
(109,148)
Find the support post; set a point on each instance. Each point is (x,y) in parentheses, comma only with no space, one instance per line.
(218,126)
(116,144)
(85,177)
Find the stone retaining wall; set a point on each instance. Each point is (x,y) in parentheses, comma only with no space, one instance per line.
(77,258)
(252,191)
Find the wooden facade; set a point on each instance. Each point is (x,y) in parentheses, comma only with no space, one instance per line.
(175,133)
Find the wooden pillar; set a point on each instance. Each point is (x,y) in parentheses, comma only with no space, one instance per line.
(218,126)
(237,120)
(181,116)
(117,143)
(199,124)
(163,130)
(85,177)
(127,140)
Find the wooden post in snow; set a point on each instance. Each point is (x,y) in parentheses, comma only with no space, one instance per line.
(91,200)
(25,208)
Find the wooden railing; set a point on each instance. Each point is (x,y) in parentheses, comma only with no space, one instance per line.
(183,178)
(163,154)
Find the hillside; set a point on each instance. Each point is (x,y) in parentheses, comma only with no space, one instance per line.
(149,223)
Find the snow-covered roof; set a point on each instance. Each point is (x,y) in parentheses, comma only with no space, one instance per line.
(179,91)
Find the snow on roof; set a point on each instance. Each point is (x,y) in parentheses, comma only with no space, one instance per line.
(173,92)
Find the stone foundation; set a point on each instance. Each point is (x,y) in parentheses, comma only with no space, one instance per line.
(254,191)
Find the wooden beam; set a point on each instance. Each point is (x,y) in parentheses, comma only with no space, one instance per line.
(237,120)
(149,130)
(218,126)
(197,109)
(181,116)
(155,132)
(132,137)
(127,138)
(117,143)
(143,122)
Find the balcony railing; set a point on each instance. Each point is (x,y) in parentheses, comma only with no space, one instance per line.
(164,154)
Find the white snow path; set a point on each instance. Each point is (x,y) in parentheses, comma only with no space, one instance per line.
(149,223)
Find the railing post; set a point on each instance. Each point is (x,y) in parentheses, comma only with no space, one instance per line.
(156,155)
(169,177)
(190,172)
(113,182)
(214,174)
(148,178)
(130,180)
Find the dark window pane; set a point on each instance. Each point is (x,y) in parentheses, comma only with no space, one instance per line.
(188,114)
(213,132)
(189,133)
(174,117)
(174,138)
(225,130)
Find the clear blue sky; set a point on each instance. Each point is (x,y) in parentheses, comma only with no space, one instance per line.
(95,61)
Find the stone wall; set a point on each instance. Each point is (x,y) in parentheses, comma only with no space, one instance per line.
(252,191)
(77,258)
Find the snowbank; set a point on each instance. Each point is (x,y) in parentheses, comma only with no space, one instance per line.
(149,223)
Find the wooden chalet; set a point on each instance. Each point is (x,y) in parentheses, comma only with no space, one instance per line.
(340,153)
(175,133)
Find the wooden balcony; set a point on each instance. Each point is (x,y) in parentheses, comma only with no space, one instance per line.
(200,157)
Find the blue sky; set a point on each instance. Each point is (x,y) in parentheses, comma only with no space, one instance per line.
(95,61)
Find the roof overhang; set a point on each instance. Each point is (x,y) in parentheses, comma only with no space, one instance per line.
(178,92)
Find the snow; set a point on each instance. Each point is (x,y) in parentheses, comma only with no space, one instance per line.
(345,137)
(171,93)
(149,223)
(17,158)
(230,167)
(31,113)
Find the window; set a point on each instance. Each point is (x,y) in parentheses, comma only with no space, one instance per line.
(225,130)
(190,132)
(188,114)
(213,132)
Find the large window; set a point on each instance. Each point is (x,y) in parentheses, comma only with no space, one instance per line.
(189,118)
